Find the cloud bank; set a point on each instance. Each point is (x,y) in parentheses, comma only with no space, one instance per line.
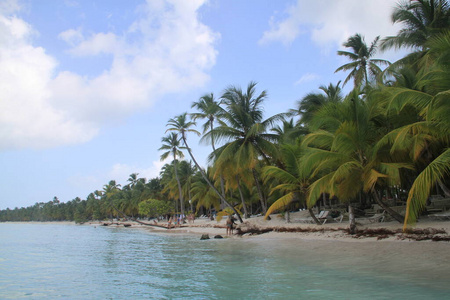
(330,23)
(165,50)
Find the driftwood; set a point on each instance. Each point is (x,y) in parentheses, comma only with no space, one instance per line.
(380,233)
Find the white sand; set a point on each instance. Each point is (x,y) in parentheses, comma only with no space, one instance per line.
(212,228)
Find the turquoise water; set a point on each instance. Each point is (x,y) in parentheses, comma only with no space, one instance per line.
(53,261)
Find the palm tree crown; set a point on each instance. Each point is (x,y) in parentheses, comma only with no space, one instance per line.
(362,64)
(422,19)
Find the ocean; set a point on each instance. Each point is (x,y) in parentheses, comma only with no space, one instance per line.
(62,261)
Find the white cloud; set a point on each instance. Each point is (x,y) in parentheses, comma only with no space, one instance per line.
(72,36)
(166,50)
(308,77)
(26,117)
(330,23)
(121,172)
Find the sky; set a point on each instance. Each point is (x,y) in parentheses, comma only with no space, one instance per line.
(87,87)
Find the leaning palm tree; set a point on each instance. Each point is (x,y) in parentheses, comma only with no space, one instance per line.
(209,109)
(181,125)
(171,144)
(245,132)
(362,64)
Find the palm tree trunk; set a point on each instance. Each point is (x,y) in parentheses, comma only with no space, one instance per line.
(444,188)
(398,217)
(311,213)
(179,185)
(351,218)
(258,187)
(208,181)
(222,188)
(242,197)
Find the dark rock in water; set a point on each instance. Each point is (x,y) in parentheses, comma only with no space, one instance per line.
(218,236)
(126,225)
(205,237)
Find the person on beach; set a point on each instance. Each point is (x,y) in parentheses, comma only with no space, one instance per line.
(169,223)
(230,223)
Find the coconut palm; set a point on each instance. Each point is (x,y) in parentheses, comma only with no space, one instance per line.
(362,64)
(110,191)
(236,178)
(181,125)
(427,140)
(202,193)
(292,181)
(245,132)
(172,146)
(341,154)
(169,184)
(209,109)
(422,20)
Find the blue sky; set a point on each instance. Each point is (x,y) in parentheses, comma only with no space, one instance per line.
(87,87)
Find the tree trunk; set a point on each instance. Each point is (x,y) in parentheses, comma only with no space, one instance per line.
(351,219)
(209,182)
(258,188)
(398,217)
(179,185)
(242,197)
(222,188)
(313,216)
(444,189)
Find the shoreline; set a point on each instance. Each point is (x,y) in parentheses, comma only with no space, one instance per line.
(277,228)
(428,256)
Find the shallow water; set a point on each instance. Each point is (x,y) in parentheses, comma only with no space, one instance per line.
(55,261)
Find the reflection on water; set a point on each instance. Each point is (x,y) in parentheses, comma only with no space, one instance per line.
(83,262)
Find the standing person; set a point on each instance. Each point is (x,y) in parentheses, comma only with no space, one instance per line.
(230,223)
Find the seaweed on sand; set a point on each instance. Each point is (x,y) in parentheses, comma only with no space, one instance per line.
(380,233)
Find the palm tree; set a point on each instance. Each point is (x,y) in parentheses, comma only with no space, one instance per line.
(110,192)
(362,64)
(203,194)
(427,139)
(235,177)
(181,125)
(422,20)
(293,182)
(245,131)
(341,154)
(312,102)
(171,144)
(210,110)
(133,179)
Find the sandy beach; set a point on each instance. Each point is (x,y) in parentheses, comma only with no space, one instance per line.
(331,231)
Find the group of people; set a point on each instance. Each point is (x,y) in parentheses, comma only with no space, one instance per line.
(179,219)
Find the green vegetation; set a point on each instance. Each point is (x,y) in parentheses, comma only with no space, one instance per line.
(388,138)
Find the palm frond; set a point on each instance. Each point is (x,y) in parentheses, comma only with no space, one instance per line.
(438,169)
